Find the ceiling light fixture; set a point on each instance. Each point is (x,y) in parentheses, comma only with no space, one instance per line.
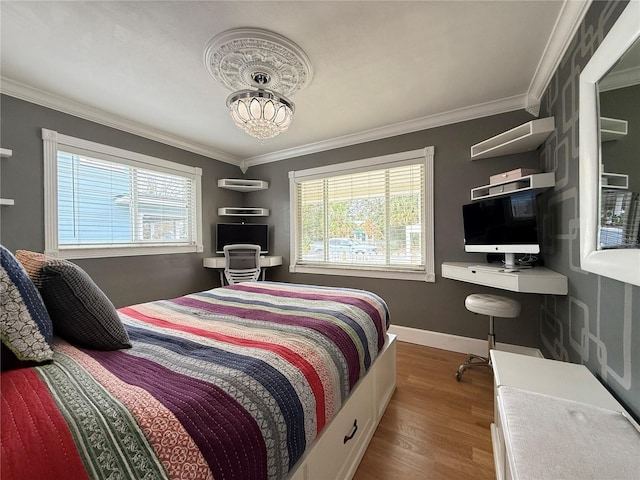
(261,113)
(261,67)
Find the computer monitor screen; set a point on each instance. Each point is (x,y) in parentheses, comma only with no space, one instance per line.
(238,233)
(506,224)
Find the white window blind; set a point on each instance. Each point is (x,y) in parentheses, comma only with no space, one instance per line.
(372,215)
(103,201)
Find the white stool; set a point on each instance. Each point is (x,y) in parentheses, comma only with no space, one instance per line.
(493,306)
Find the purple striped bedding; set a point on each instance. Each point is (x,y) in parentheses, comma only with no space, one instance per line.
(230,383)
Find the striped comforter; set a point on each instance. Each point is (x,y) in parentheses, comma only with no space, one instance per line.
(230,383)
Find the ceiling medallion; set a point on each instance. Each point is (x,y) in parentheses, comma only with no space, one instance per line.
(261,67)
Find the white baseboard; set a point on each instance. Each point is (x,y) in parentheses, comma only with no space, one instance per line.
(455,343)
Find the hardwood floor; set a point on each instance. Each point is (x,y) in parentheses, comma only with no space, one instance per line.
(435,427)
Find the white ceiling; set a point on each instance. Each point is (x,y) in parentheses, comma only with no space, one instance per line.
(379,68)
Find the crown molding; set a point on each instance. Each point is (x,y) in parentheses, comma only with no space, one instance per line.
(504,105)
(620,79)
(77,109)
(565,28)
(533,107)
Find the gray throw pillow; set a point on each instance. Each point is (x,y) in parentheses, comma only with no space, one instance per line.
(81,313)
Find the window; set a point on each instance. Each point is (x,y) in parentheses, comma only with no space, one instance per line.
(371,217)
(102,201)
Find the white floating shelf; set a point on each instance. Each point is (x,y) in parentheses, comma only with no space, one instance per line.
(243,212)
(612,129)
(6,153)
(523,138)
(614,180)
(537,182)
(242,185)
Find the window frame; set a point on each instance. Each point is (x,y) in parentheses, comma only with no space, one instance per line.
(368,164)
(54,141)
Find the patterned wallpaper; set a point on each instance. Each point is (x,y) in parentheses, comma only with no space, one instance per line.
(598,322)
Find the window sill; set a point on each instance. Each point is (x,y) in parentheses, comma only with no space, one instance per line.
(421,276)
(71,253)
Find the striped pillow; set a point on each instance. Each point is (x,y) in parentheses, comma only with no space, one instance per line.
(25,325)
(81,312)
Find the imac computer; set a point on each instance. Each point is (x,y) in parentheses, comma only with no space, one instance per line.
(506,224)
(239,233)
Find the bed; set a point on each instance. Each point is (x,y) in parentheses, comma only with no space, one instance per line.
(251,381)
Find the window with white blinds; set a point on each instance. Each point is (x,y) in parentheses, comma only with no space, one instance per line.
(102,201)
(371,217)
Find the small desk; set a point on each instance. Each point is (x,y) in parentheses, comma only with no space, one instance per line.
(527,280)
(219,263)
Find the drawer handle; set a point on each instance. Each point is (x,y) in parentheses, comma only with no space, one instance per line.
(353,431)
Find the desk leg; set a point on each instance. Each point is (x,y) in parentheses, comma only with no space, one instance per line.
(222,278)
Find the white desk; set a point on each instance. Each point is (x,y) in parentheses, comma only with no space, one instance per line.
(219,264)
(529,280)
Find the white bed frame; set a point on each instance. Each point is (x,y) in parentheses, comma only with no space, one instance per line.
(337,451)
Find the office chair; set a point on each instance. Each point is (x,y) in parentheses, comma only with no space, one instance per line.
(242,263)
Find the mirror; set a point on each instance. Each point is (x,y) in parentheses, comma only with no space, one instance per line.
(619,107)
(609,170)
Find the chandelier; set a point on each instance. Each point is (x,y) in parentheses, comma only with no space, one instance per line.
(260,67)
(261,113)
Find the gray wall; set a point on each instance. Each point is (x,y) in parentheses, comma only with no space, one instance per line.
(431,306)
(435,306)
(589,325)
(125,280)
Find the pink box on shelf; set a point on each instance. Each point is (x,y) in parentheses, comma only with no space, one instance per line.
(512,174)
(509,187)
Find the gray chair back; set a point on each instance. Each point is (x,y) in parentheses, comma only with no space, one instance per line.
(242,263)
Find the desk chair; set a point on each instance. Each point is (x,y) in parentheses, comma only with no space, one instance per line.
(493,306)
(242,263)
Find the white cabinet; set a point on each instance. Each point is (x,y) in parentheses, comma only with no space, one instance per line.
(6,153)
(554,419)
(523,138)
(354,426)
(537,182)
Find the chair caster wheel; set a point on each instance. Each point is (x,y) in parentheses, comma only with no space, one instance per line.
(459,374)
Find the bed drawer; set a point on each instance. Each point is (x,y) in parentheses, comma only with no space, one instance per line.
(343,439)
